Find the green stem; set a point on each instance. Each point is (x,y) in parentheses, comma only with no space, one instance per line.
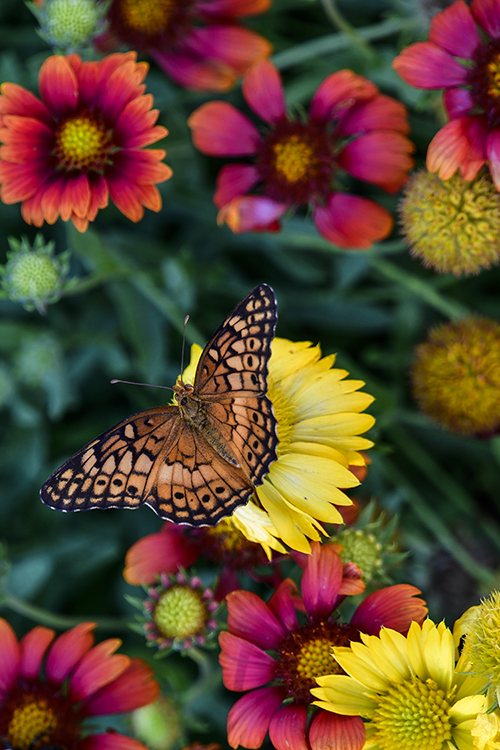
(208,678)
(60,622)
(339,42)
(418,287)
(343,25)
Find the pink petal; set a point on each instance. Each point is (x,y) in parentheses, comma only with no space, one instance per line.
(351,221)
(352,582)
(234,180)
(88,81)
(263,91)
(252,213)
(58,86)
(487,15)
(10,656)
(380,113)
(283,604)
(134,126)
(248,720)
(321,581)
(427,66)
(125,196)
(67,650)
(20,181)
(33,647)
(458,102)
(244,666)
(142,166)
(219,129)
(234,46)
(99,194)
(192,72)
(232,8)
(51,198)
(250,618)
(460,143)
(134,688)
(339,91)
(163,552)
(329,730)
(287,729)
(381,157)
(454,30)
(493,152)
(97,668)
(31,209)
(110,741)
(120,88)
(391,607)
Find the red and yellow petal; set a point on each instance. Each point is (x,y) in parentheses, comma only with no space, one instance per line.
(284,602)
(263,91)
(234,180)
(10,656)
(338,92)
(67,651)
(287,728)
(163,552)
(249,718)
(110,741)
(193,72)
(132,689)
(351,221)
(329,730)
(33,648)
(16,100)
(219,129)
(321,581)
(232,8)
(380,113)
(250,618)
(244,665)
(454,30)
(392,607)
(233,46)
(427,66)
(58,86)
(97,668)
(461,143)
(252,213)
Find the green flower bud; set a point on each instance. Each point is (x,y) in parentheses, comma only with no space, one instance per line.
(159,725)
(68,25)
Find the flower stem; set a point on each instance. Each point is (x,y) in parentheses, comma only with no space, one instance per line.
(60,622)
(208,678)
(342,24)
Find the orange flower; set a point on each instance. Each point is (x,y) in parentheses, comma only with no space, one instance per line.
(82,143)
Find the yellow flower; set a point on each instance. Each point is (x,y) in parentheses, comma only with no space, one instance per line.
(409,690)
(320,420)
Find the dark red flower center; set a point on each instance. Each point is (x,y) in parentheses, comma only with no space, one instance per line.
(296,163)
(82,143)
(147,24)
(306,653)
(36,715)
(484,79)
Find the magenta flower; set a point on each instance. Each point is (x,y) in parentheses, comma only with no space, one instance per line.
(462,57)
(277,656)
(352,129)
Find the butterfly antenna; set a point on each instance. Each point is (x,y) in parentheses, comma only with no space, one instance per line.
(148,385)
(183,346)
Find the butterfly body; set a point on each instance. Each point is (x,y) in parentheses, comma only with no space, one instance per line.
(197,460)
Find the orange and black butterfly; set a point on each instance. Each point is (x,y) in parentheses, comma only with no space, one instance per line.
(196,461)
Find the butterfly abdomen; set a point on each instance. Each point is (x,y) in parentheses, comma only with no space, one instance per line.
(195,414)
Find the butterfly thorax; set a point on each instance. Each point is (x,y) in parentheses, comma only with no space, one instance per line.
(195,413)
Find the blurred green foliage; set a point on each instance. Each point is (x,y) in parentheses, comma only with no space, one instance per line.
(123,319)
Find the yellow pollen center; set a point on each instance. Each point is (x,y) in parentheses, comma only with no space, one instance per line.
(293,158)
(31,722)
(413,715)
(316,659)
(494,77)
(82,143)
(180,613)
(147,16)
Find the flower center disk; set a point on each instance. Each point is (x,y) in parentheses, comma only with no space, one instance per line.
(180,613)
(82,143)
(413,714)
(147,16)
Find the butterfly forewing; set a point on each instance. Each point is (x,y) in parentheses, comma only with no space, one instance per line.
(189,472)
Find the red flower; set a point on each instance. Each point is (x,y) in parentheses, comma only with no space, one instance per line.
(198,43)
(177,547)
(462,57)
(352,128)
(48,688)
(83,143)
(300,652)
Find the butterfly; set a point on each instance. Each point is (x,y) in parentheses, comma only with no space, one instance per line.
(193,462)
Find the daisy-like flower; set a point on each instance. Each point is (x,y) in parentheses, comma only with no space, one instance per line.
(352,129)
(280,681)
(408,689)
(177,547)
(48,688)
(462,56)
(82,143)
(320,420)
(200,44)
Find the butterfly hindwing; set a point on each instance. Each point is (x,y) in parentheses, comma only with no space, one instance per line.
(195,485)
(116,469)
